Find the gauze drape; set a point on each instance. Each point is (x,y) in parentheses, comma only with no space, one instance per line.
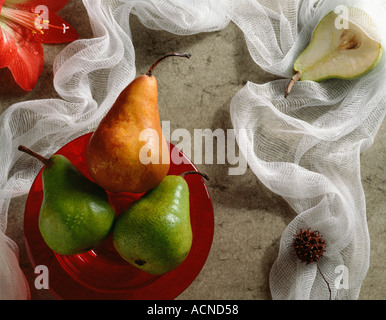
(89,75)
(305,148)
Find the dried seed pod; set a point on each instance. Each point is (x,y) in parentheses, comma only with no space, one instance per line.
(309,245)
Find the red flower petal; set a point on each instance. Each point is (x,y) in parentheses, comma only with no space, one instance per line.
(29,5)
(22,33)
(28,65)
(57,31)
(8,48)
(28,62)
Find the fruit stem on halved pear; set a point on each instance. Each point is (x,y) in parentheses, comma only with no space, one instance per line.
(295,78)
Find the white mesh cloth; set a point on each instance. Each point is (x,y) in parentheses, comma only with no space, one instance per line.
(89,75)
(305,148)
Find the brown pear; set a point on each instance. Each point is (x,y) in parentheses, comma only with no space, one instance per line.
(128,151)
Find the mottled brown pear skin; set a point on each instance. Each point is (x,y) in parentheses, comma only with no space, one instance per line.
(113,153)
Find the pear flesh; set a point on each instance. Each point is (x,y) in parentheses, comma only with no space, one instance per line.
(345,53)
(155,233)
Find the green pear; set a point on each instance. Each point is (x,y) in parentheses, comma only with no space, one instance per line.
(337,51)
(155,233)
(75,215)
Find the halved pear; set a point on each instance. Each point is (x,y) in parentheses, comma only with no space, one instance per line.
(345,53)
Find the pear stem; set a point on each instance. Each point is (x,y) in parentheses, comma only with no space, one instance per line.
(296,77)
(195,172)
(172,54)
(34,154)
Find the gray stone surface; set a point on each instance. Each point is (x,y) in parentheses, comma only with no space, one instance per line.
(249,219)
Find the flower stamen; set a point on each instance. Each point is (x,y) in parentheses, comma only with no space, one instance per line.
(28,20)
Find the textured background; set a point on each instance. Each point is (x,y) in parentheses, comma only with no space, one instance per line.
(196,94)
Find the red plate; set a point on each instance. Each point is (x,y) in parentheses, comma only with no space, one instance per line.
(101,273)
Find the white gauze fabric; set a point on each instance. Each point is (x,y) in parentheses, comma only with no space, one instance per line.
(89,75)
(319,121)
(307,147)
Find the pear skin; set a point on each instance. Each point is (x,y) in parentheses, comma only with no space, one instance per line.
(114,148)
(75,215)
(128,151)
(155,233)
